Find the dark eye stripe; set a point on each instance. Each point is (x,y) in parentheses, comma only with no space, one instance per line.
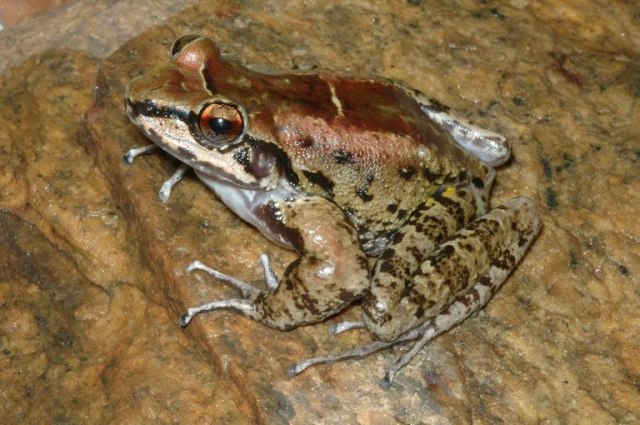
(147,108)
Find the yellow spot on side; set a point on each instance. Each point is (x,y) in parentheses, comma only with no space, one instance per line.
(449,192)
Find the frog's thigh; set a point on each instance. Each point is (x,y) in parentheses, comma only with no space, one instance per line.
(429,225)
(478,257)
(332,270)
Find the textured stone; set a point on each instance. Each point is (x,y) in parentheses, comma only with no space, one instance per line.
(92,265)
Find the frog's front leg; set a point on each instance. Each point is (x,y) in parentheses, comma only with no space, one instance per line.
(165,190)
(330,274)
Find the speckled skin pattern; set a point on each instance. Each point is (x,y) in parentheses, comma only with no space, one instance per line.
(337,168)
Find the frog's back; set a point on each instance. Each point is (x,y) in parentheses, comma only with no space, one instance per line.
(367,145)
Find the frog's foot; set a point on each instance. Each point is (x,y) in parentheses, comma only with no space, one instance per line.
(242,306)
(167,186)
(136,152)
(345,326)
(353,354)
(366,350)
(249,293)
(165,190)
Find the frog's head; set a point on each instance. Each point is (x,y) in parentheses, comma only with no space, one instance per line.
(180,108)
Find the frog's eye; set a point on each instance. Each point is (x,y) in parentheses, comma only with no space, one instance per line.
(220,124)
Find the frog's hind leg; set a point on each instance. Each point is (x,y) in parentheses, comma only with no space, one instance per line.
(353,354)
(429,225)
(520,215)
(458,311)
(483,246)
(460,277)
(484,288)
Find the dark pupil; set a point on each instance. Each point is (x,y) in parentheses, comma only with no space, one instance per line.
(220,125)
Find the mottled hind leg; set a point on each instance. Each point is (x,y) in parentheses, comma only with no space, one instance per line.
(484,288)
(427,226)
(504,235)
(454,268)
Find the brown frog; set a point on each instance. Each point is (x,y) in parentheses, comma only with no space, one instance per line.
(339,168)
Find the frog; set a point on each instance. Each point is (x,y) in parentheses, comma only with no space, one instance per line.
(382,191)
